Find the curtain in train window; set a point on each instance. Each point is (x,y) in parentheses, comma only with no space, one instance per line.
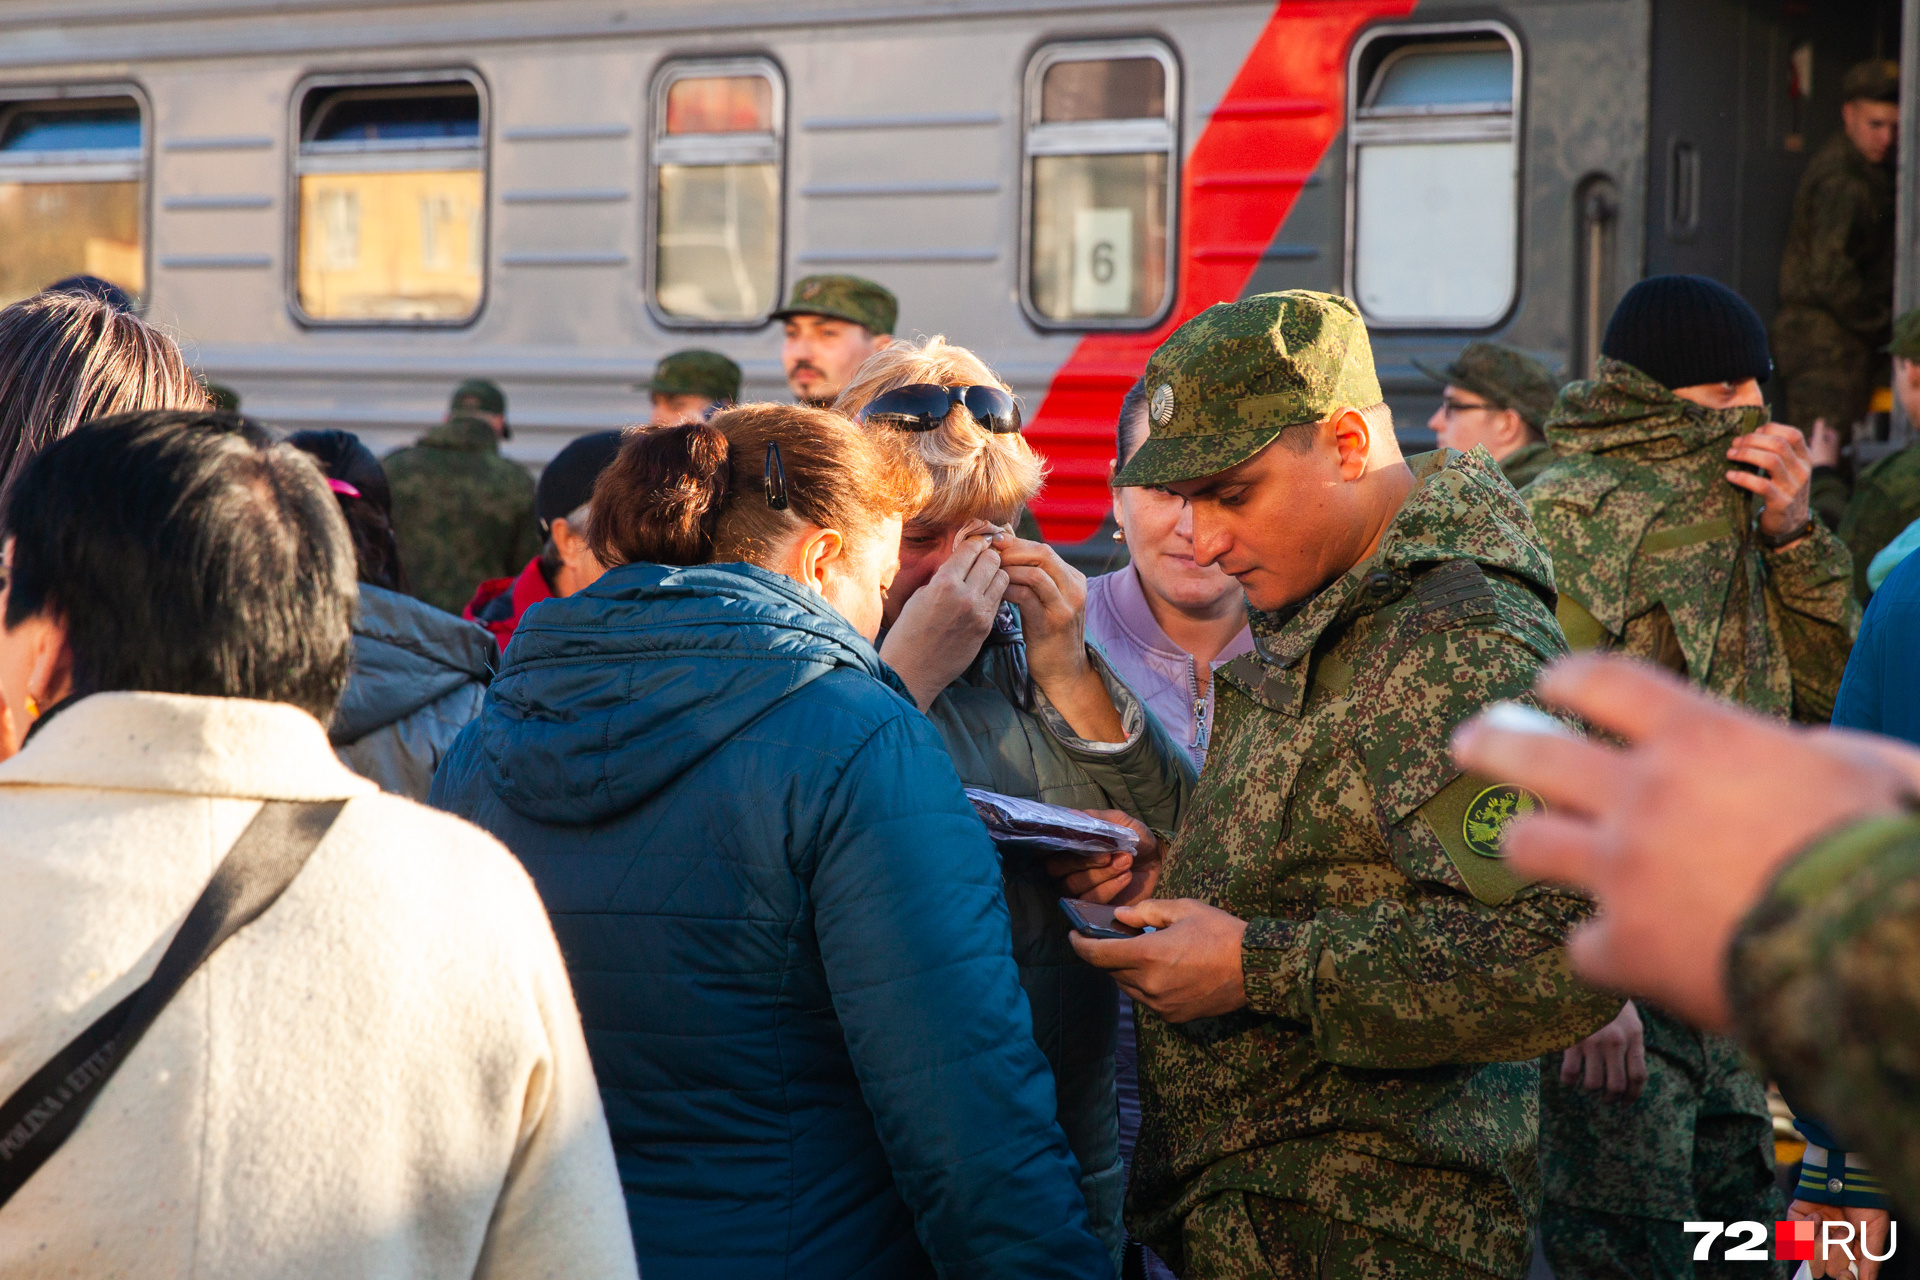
(1435,169)
(1100,184)
(70,193)
(717,136)
(392,203)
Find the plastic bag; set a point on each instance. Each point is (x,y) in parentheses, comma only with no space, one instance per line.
(1042,830)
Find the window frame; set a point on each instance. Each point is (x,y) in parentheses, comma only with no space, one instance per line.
(1103,137)
(1465,122)
(139,166)
(297,168)
(703,67)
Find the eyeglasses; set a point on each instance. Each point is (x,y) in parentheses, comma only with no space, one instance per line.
(1450,406)
(924,406)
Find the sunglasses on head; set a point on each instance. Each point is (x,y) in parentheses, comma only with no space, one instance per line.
(924,406)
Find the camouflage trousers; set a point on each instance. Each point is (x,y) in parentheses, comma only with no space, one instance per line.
(1239,1236)
(1621,1177)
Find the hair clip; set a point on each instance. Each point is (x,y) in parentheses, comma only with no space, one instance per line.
(774,479)
(342,487)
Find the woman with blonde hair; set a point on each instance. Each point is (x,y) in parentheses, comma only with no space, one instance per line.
(988,632)
(67,358)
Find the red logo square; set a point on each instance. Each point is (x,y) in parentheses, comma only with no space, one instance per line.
(1793,1241)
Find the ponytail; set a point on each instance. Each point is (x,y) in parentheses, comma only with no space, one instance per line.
(660,498)
(693,494)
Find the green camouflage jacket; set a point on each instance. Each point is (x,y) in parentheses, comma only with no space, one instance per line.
(461,512)
(1398,976)
(1654,552)
(1823,992)
(1840,243)
(1886,499)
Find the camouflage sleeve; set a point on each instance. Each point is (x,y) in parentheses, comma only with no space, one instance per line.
(1462,962)
(1874,518)
(1434,978)
(1821,983)
(1810,592)
(1832,274)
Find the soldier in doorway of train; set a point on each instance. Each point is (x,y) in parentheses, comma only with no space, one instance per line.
(1886,498)
(1498,397)
(1678,523)
(461,512)
(689,386)
(1836,277)
(1347,984)
(833,323)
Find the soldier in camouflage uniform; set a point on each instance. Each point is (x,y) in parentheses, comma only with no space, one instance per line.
(1836,273)
(1659,555)
(1886,499)
(832,324)
(688,386)
(1349,984)
(1498,397)
(461,512)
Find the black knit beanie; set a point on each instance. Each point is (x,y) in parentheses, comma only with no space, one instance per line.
(566,483)
(1682,331)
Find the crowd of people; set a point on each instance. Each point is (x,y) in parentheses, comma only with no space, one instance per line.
(420,870)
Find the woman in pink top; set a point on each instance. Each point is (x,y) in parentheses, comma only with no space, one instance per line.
(1163,622)
(1165,625)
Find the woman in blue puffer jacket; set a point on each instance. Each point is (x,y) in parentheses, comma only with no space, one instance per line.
(784,924)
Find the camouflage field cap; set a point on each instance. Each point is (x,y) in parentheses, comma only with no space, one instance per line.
(843,298)
(1507,378)
(1906,336)
(1876,80)
(1238,374)
(697,373)
(479,395)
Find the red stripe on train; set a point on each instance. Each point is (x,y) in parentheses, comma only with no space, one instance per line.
(1265,137)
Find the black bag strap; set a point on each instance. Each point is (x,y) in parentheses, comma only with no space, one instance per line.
(43,1113)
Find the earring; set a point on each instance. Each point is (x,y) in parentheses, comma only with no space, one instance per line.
(33,708)
(1119,535)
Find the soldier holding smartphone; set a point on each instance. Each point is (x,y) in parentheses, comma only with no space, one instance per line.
(1346,981)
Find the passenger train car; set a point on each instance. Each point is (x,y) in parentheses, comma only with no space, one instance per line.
(344,207)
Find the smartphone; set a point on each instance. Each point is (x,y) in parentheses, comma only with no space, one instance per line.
(1095,920)
(1518,717)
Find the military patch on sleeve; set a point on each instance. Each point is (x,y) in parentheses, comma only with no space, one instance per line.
(1470,817)
(1488,814)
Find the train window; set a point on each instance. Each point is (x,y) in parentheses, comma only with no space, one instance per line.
(717,144)
(70,193)
(1101,174)
(392,201)
(1434,173)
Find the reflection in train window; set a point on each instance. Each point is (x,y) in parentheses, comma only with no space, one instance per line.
(392,200)
(70,193)
(717,139)
(1433,171)
(1101,174)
